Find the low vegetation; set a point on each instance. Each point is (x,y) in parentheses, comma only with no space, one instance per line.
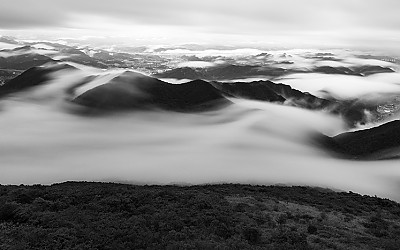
(83,215)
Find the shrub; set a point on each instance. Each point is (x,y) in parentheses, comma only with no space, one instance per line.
(312,229)
(9,212)
(252,235)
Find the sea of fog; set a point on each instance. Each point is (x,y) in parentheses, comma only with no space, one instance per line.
(43,141)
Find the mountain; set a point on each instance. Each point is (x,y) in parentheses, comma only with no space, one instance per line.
(335,70)
(239,71)
(222,72)
(127,90)
(368,141)
(297,98)
(182,73)
(253,91)
(8,39)
(273,92)
(376,143)
(364,70)
(8,74)
(77,56)
(233,71)
(373,69)
(36,54)
(131,90)
(21,59)
(32,77)
(370,108)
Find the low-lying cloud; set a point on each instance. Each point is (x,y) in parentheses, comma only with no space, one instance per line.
(342,86)
(248,142)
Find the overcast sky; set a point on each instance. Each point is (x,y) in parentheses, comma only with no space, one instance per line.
(269,22)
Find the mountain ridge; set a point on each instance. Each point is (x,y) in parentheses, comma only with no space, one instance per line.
(377,143)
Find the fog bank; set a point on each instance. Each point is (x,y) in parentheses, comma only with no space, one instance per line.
(248,142)
(343,86)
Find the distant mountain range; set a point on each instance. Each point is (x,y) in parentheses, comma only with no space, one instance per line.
(225,72)
(27,54)
(133,90)
(358,71)
(22,58)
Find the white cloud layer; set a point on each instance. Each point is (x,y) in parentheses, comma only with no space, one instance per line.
(342,86)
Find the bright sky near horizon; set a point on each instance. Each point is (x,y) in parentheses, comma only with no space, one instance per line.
(357,23)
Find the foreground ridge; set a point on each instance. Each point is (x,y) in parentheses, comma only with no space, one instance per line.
(84,215)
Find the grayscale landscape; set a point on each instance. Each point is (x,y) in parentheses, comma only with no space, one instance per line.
(280,118)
